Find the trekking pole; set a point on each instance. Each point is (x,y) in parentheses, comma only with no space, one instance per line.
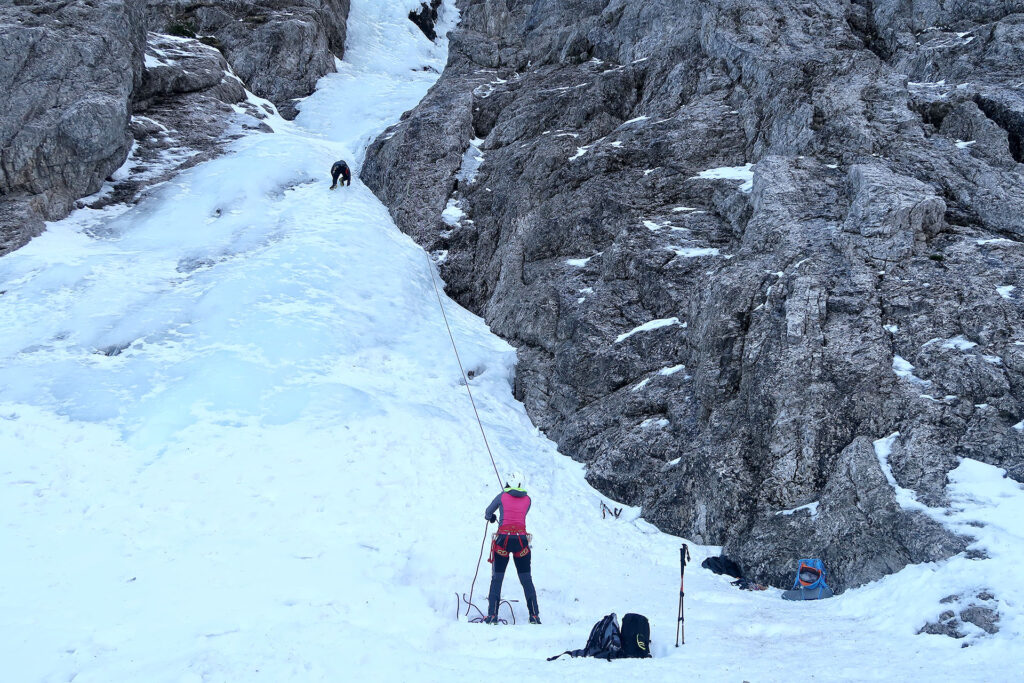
(684,556)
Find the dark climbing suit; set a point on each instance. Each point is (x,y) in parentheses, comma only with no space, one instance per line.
(340,168)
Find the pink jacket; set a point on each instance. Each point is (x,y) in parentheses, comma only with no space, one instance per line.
(513,505)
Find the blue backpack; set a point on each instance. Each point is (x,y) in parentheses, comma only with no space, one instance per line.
(809,583)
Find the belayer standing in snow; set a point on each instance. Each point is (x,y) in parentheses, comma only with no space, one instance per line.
(340,168)
(510,540)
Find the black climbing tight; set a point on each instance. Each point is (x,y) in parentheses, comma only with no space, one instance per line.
(514,545)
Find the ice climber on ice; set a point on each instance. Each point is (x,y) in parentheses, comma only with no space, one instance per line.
(340,168)
(512,540)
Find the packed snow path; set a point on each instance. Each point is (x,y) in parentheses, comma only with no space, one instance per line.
(234,446)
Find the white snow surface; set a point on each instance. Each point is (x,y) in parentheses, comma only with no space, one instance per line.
(906,498)
(959,342)
(647,327)
(580,151)
(694,252)
(743,173)
(453,213)
(810,507)
(235,446)
(902,367)
(472,160)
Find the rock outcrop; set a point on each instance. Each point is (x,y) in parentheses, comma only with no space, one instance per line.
(279,48)
(425,17)
(761,259)
(88,83)
(980,612)
(68,71)
(187,108)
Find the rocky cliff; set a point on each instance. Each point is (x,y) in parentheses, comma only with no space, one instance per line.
(68,71)
(761,259)
(88,83)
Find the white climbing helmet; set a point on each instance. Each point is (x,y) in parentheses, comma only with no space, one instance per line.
(516,481)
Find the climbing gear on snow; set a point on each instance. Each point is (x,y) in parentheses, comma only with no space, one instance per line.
(480,619)
(604,641)
(809,583)
(605,510)
(608,641)
(635,636)
(722,565)
(684,557)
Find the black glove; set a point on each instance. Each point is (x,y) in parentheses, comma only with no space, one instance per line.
(492,518)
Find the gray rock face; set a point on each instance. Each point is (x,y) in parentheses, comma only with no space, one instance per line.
(187,108)
(426,17)
(736,243)
(983,615)
(279,48)
(68,70)
(75,73)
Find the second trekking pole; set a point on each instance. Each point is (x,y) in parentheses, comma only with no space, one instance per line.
(684,557)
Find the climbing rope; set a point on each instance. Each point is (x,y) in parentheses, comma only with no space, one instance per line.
(469,600)
(480,619)
(465,380)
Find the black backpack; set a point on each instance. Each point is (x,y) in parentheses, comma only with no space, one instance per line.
(604,641)
(723,565)
(635,636)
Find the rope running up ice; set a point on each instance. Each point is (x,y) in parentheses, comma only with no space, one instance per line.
(465,380)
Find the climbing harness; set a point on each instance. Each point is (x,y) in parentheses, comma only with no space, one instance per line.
(501,548)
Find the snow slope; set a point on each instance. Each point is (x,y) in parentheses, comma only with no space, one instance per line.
(235,446)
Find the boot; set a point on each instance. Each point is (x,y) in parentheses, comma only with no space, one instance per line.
(493,598)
